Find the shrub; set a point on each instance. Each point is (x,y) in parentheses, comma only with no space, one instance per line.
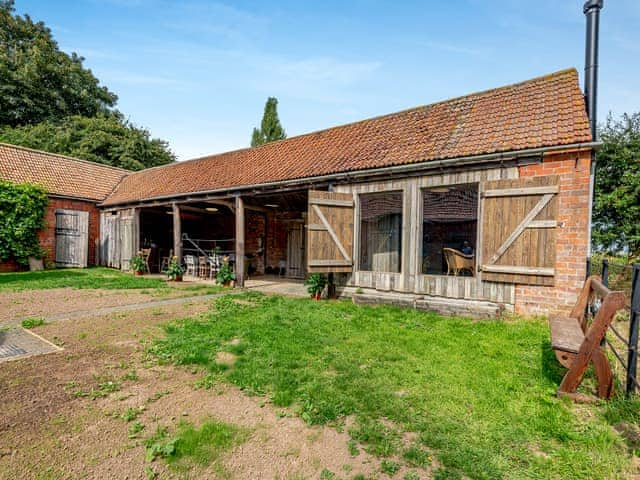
(22,208)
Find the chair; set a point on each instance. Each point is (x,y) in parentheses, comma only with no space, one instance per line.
(146,253)
(214,265)
(164,264)
(458,261)
(576,343)
(203,267)
(190,262)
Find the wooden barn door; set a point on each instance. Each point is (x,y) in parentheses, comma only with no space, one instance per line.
(127,235)
(295,251)
(72,238)
(518,230)
(330,232)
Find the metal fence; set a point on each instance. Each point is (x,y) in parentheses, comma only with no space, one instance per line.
(626,278)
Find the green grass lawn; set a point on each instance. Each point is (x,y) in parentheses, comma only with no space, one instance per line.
(97,277)
(478,396)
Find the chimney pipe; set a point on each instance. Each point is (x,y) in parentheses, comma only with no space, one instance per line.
(592,12)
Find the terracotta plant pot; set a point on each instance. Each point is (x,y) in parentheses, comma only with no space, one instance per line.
(177,278)
(316,296)
(137,273)
(227,284)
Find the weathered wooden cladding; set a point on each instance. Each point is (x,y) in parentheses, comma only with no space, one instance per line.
(119,237)
(411,279)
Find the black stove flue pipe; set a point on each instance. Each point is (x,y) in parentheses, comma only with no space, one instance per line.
(592,12)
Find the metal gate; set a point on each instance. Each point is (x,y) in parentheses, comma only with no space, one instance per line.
(71,238)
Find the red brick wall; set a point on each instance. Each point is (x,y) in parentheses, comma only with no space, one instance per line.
(571,239)
(255,229)
(47,234)
(277,236)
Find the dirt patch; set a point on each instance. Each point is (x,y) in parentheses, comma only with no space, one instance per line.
(39,303)
(226,358)
(64,414)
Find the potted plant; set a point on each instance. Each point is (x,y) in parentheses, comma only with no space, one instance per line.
(225,275)
(315,284)
(138,264)
(174,270)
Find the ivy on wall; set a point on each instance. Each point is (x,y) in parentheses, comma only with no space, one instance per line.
(22,209)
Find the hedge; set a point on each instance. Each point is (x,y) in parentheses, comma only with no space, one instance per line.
(22,209)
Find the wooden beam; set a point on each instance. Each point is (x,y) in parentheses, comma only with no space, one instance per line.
(239,207)
(542,271)
(331,202)
(515,192)
(177,232)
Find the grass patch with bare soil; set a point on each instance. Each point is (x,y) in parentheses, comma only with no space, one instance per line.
(477,396)
(190,445)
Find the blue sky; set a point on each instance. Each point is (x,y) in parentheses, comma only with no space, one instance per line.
(197,73)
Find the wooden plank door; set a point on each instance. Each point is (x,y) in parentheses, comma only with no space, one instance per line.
(126,241)
(330,232)
(71,238)
(109,240)
(295,251)
(519,222)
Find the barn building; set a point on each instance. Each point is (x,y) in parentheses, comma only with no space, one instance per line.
(389,204)
(75,187)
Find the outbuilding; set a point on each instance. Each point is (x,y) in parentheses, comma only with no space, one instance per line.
(476,204)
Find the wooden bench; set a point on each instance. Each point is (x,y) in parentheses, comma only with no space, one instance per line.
(576,342)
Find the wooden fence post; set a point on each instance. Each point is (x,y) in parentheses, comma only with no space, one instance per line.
(632,361)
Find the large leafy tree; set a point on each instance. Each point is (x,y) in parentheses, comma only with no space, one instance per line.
(270,128)
(39,82)
(616,212)
(104,139)
(49,101)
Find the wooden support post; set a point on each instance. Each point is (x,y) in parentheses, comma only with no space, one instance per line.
(177,232)
(239,242)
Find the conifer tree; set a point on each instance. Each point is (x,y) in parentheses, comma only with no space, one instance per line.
(270,128)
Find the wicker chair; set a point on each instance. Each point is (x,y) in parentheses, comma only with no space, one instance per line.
(458,261)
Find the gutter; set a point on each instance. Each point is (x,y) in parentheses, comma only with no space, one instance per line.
(380,171)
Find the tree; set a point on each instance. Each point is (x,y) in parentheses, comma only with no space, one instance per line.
(49,101)
(616,214)
(38,82)
(270,128)
(106,139)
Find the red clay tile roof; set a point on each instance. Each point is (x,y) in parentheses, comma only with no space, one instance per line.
(58,174)
(545,111)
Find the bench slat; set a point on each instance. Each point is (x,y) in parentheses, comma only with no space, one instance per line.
(566,334)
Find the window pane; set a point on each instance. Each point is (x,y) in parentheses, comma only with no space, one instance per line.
(450,222)
(381,231)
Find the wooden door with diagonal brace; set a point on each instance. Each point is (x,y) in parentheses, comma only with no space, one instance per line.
(330,232)
(519,223)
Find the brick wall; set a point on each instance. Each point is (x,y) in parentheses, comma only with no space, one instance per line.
(277,226)
(571,239)
(255,230)
(47,235)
